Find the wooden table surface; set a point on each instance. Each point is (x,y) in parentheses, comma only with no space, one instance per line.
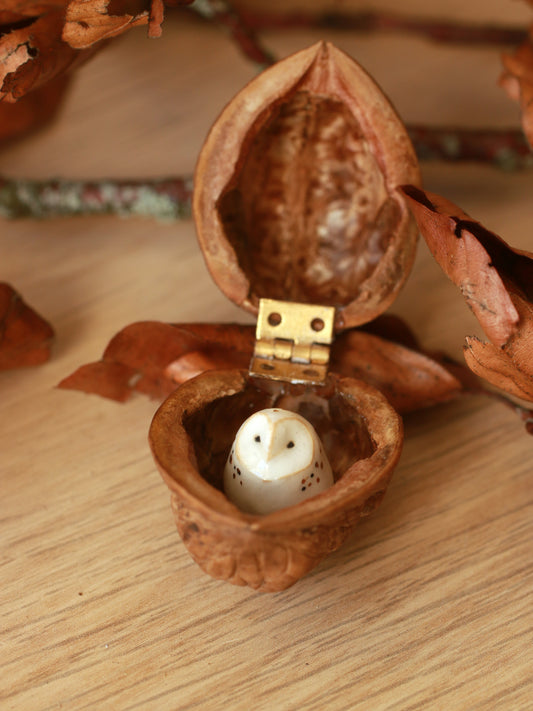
(427,606)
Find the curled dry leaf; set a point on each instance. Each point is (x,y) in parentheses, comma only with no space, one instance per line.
(517,80)
(40,41)
(409,379)
(154,358)
(90,21)
(497,283)
(25,337)
(32,52)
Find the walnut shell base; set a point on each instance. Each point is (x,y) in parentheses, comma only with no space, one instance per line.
(191,435)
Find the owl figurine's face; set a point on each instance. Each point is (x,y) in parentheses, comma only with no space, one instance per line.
(276,460)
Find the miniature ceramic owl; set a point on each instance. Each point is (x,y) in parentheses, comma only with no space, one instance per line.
(277,460)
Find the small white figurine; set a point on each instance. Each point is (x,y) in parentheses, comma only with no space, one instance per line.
(277,460)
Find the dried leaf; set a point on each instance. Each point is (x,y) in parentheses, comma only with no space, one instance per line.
(33,110)
(517,80)
(41,40)
(90,21)
(153,358)
(32,52)
(497,283)
(495,366)
(409,379)
(25,337)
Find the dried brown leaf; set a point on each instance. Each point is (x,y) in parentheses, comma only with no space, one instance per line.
(25,337)
(33,110)
(497,283)
(495,366)
(32,53)
(452,238)
(409,379)
(154,358)
(90,21)
(41,40)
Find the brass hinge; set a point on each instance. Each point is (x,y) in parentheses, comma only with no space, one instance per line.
(292,341)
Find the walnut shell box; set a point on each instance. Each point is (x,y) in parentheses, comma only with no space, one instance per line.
(295,200)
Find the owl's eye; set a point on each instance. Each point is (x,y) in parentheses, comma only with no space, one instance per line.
(290,445)
(257,438)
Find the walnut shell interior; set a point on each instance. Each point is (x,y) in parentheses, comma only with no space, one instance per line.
(191,436)
(296,190)
(342,430)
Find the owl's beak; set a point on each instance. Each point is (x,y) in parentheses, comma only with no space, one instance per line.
(275,440)
(268,444)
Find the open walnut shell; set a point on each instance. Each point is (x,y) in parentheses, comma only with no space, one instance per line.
(192,433)
(295,199)
(296,190)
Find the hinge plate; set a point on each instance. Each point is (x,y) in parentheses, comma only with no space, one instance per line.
(292,341)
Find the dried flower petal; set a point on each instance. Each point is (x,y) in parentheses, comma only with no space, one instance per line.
(497,283)
(25,337)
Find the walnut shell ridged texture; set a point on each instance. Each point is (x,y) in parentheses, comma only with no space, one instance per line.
(296,190)
(191,434)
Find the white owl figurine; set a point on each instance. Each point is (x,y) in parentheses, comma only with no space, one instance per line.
(276,460)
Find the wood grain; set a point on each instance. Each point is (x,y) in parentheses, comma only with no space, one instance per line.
(427,606)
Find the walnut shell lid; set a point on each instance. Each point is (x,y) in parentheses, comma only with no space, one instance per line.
(191,435)
(296,190)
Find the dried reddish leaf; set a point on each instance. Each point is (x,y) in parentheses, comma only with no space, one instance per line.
(495,366)
(32,52)
(41,40)
(25,337)
(410,380)
(450,235)
(497,283)
(517,80)
(33,110)
(90,21)
(154,357)
(105,378)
